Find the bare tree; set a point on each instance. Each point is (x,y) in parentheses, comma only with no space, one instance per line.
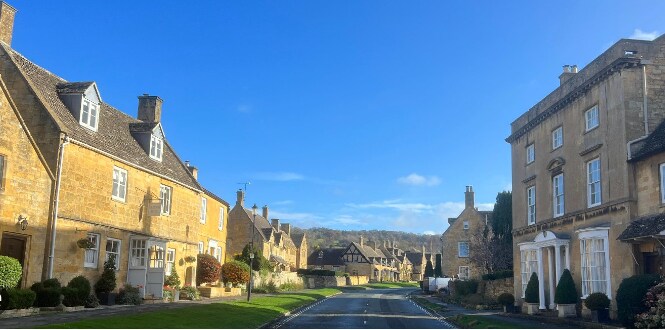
(489,252)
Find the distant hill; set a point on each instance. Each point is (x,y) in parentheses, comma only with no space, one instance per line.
(324,237)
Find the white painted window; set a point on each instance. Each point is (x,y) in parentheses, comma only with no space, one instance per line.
(200,247)
(593,182)
(113,250)
(466,224)
(528,266)
(119,191)
(165,197)
(137,253)
(157,255)
(662,182)
(558,194)
(557,137)
(92,254)
(463,249)
(170,261)
(595,267)
(530,154)
(156,147)
(464,272)
(591,118)
(89,114)
(204,204)
(531,205)
(220,224)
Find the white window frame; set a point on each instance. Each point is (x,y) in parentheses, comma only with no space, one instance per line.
(156,147)
(92,252)
(531,205)
(137,253)
(463,272)
(119,190)
(530,153)
(157,257)
(558,196)
(588,236)
(92,114)
(662,183)
(220,224)
(170,261)
(594,187)
(204,210)
(557,138)
(465,224)
(201,247)
(591,118)
(528,266)
(117,254)
(165,202)
(459,249)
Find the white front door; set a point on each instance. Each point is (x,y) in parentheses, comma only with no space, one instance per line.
(154,286)
(138,264)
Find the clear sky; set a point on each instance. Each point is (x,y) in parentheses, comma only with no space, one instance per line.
(342,114)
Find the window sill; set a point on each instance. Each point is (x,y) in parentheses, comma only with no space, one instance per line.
(591,129)
(90,266)
(119,200)
(594,205)
(557,148)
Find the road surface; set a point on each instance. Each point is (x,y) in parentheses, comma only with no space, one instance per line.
(371,309)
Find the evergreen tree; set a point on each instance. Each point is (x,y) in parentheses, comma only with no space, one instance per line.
(502,217)
(429,270)
(438,272)
(260,262)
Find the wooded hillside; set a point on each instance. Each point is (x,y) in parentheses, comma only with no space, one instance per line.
(324,237)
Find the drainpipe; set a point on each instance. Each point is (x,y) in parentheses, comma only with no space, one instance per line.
(61,154)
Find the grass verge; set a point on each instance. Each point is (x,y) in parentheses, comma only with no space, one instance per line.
(429,305)
(236,314)
(483,322)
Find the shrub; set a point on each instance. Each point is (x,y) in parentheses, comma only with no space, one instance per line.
(71,297)
(235,272)
(259,262)
(52,283)
(654,316)
(259,290)
(207,269)
(630,294)
(464,287)
(506,299)
(173,280)
(129,295)
(91,301)
(82,287)
(106,282)
(10,272)
(531,295)
(565,293)
(48,293)
(18,298)
(597,301)
(498,275)
(269,287)
(291,286)
(191,292)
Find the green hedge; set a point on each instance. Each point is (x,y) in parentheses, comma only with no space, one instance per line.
(630,294)
(18,298)
(319,272)
(498,275)
(462,288)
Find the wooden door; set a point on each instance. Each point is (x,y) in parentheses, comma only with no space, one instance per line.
(14,246)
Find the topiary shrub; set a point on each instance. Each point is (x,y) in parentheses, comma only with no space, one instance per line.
(18,298)
(597,301)
(506,299)
(207,269)
(82,288)
(52,283)
(10,272)
(235,272)
(48,293)
(129,295)
(531,294)
(566,292)
(173,280)
(70,297)
(630,294)
(107,281)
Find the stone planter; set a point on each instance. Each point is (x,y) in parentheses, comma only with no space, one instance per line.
(532,309)
(18,312)
(567,310)
(600,316)
(107,298)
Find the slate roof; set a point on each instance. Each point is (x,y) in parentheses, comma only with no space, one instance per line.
(653,144)
(644,227)
(416,258)
(278,259)
(331,256)
(142,127)
(298,239)
(113,135)
(73,87)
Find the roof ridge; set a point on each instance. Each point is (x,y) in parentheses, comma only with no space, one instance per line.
(10,49)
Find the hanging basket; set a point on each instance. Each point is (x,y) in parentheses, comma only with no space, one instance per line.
(190,259)
(85,243)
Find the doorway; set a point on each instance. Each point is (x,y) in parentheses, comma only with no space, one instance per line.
(15,246)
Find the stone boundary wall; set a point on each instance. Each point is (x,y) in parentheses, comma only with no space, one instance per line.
(357,280)
(316,282)
(277,278)
(492,289)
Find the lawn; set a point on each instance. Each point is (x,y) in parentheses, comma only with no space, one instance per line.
(237,314)
(483,322)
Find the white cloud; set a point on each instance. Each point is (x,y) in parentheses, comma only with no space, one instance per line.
(393,204)
(415,179)
(286,202)
(429,232)
(279,176)
(642,35)
(293,216)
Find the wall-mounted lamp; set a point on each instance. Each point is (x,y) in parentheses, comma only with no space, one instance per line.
(23,222)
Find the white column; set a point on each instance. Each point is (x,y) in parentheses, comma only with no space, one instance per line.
(557,260)
(567,257)
(551,276)
(541,279)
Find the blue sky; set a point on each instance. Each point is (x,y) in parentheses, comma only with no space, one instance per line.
(342,114)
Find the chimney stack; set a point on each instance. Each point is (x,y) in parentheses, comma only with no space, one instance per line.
(568,72)
(150,108)
(362,241)
(468,198)
(265,213)
(275,223)
(7,14)
(286,227)
(192,169)
(240,198)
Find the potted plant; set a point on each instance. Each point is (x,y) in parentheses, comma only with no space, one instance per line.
(566,295)
(507,300)
(173,282)
(532,296)
(106,283)
(599,305)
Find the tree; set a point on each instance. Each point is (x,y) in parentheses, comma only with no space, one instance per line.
(488,252)
(259,263)
(207,269)
(235,272)
(429,270)
(502,217)
(438,272)
(107,281)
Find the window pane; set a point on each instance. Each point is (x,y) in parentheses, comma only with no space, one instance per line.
(84,113)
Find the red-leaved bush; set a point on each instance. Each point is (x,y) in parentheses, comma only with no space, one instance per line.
(235,272)
(207,269)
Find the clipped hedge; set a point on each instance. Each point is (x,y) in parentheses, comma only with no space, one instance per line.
(498,275)
(82,288)
(506,299)
(531,294)
(321,272)
(18,298)
(207,269)
(48,293)
(566,292)
(597,301)
(630,294)
(462,288)
(10,272)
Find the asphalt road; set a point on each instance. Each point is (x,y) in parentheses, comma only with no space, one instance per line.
(371,309)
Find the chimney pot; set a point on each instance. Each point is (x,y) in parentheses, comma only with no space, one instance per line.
(362,241)
(469,197)
(150,108)
(574,68)
(7,14)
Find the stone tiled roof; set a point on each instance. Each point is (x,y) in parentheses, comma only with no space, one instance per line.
(416,258)
(278,259)
(73,87)
(653,144)
(645,226)
(298,239)
(266,232)
(113,134)
(331,256)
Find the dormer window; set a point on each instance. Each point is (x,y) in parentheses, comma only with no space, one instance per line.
(89,114)
(156,147)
